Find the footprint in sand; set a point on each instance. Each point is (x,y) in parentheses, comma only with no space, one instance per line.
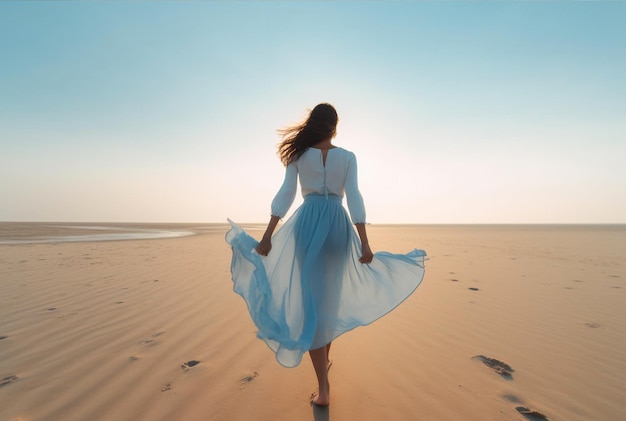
(499,367)
(592,325)
(247,379)
(3,337)
(8,380)
(166,387)
(192,363)
(149,341)
(531,415)
(473,289)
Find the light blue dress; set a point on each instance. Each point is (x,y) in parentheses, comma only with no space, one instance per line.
(311,287)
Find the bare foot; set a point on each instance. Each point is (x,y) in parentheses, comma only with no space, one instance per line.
(319,400)
(322,396)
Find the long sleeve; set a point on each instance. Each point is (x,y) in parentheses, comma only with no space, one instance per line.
(287,192)
(353,195)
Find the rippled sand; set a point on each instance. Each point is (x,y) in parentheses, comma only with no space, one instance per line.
(507,320)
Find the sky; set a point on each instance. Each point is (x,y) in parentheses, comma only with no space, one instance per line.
(458,112)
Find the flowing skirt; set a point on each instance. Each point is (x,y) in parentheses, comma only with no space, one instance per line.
(311,287)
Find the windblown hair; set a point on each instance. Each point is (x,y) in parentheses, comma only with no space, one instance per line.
(320,125)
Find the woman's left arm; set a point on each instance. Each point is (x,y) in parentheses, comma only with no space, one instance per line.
(366,251)
(353,195)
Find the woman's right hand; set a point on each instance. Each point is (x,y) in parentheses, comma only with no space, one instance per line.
(264,247)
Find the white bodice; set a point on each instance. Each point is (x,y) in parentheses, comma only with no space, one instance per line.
(336,177)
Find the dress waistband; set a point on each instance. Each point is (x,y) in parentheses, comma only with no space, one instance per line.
(319,196)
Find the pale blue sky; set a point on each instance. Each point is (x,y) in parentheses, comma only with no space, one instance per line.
(459,112)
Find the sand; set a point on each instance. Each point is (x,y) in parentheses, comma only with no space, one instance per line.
(151,330)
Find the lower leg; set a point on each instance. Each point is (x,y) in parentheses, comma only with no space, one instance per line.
(319,357)
(328,355)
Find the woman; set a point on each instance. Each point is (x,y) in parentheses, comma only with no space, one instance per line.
(315,278)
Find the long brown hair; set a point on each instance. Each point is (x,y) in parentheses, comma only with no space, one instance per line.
(320,125)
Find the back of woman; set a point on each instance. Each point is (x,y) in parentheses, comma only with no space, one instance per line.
(317,278)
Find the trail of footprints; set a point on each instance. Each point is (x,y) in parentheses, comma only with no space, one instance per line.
(8,380)
(185,366)
(151,341)
(506,372)
(5,381)
(470,288)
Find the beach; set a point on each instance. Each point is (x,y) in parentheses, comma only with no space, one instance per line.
(511,322)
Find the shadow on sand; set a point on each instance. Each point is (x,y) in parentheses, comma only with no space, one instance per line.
(321,413)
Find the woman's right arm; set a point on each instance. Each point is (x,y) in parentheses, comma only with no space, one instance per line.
(265,245)
(287,192)
(280,205)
